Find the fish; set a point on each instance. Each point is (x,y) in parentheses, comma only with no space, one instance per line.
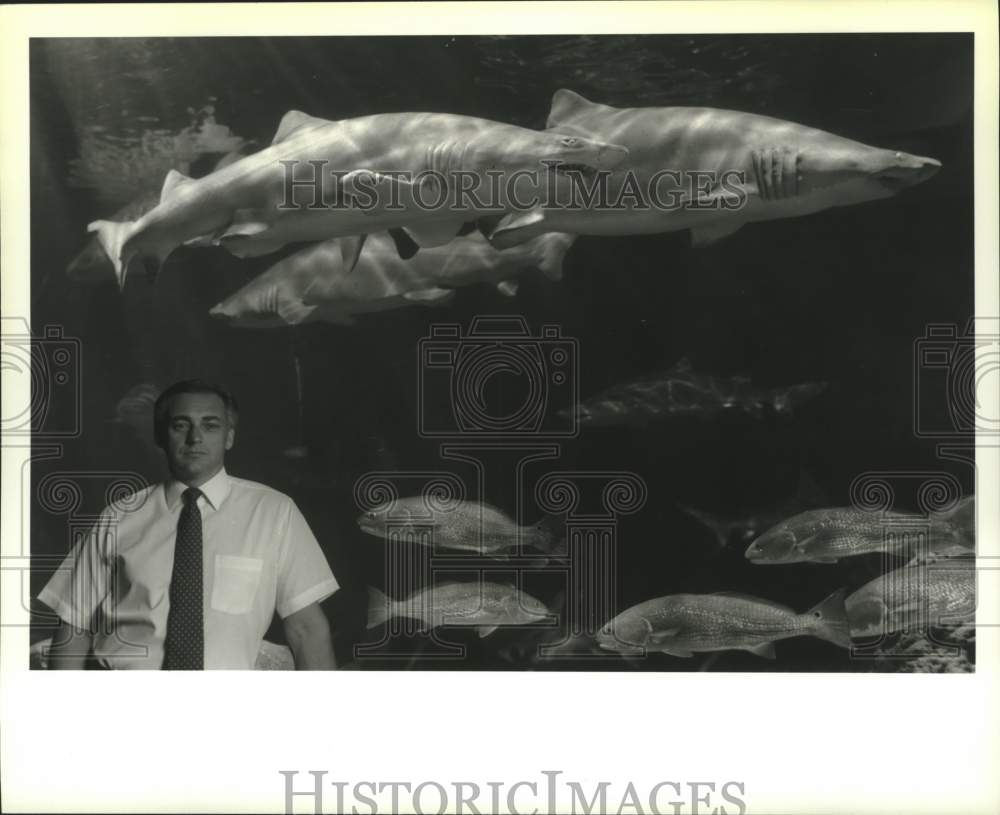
(828,535)
(92,264)
(316,283)
(469,526)
(756,168)
(135,410)
(243,208)
(680,391)
(484,606)
(744,529)
(915,598)
(682,624)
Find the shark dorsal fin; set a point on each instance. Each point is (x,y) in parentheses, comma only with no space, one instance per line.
(567,105)
(292,122)
(173,180)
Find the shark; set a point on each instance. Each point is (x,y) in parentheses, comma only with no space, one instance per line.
(92,264)
(318,283)
(682,391)
(362,175)
(711,171)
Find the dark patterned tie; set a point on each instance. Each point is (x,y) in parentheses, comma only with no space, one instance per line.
(184,649)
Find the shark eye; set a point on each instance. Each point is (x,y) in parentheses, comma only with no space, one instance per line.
(817,614)
(569,141)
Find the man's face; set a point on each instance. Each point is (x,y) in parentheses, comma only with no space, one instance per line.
(198,433)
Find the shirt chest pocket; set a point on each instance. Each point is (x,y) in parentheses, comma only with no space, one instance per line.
(235,584)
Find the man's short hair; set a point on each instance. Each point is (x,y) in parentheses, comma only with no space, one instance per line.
(160,417)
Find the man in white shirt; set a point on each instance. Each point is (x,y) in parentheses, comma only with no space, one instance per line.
(188,574)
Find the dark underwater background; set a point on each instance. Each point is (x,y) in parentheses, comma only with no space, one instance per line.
(841,296)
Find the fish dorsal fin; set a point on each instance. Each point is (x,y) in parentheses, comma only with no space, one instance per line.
(751,599)
(171,182)
(567,105)
(292,122)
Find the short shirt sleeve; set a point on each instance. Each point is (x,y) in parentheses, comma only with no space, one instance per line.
(81,581)
(304,575)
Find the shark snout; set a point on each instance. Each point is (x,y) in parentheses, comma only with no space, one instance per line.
(222,311)
(908,170)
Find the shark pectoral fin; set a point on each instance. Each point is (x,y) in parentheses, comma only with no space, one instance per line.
(350,251)
(243,236)
(434,233)
(517,228)
(112,236)
(201,240)
(249,246)
(292,122)
(485,630)
(508,288)
(406,247)
(244,223)
(765,649)
(430,297)
(711,233)
(295,312)
(551,253)
(173,180)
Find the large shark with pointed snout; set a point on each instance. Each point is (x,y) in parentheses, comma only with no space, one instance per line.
(246,206)
(710,171)
(317,284)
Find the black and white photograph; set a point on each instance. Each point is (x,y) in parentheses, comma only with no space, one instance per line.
(490,355)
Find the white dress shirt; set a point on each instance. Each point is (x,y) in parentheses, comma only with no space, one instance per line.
(259,556)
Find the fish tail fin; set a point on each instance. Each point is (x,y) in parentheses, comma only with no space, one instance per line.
(831,621)
(718,528)
(379,607)
(550,536)
(964,513)
(550,252)
(112,236)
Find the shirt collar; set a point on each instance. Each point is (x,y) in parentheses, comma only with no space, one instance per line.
(214,490)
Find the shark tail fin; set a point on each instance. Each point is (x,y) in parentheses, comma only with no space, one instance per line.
(551,251)
(113,236)
(830,619)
